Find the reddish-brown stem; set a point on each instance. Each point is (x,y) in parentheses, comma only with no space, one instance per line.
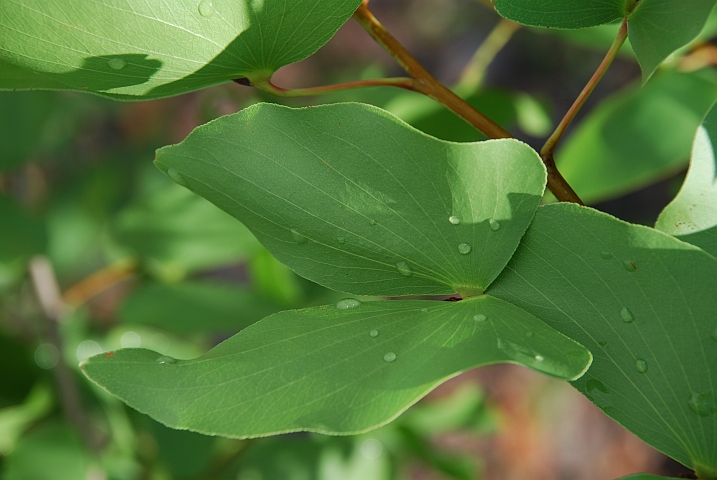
(425,83)
(548,150)
(99,281)
(268,87)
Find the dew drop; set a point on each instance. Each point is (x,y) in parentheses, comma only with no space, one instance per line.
(206,8)
(702,404)
(117,63)
(373,333)
(529,334)
(348,304)
(464,248)
(598,393)
(629,266)
(627,315)
(164,360)
(424,310)
(494,224)
(606,255)
(389,357)
(454,220)
(539,358)
(404,269)
(298,237)
(714,334)
(176,177)
(341,240)
(641,365)
(480,318)
(602,343)
(372,222)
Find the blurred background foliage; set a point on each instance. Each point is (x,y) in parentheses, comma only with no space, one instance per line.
(141,261)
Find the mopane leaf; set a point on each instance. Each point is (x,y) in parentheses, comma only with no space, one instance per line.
(195,306)
(656,28)
(138,49)
(637,137)
(644,303)
(646,476)
(692,216)
(343,368)
(354,199)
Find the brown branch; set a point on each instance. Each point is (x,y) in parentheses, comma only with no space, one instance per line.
(99,281)
(268,87)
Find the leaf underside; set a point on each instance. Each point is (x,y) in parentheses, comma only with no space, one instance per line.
(644,303)
(133,49)
(333,370)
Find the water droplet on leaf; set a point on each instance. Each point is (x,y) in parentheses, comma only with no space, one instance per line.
(206,8)
(298,237)
(480,318)
(348,303)
(389,357)
(602,343)
(641,365)
(454,220)
(372,222)
(341,240)
(404,269)
(164,360)
(629,266)
(595,385)
(117,63)
(627,315)
(606,255)
(702,404)
(539,358)
(464,248)
(529,334)
(373,333)
(494,224)
(424,310)
(525,355)
(176,177)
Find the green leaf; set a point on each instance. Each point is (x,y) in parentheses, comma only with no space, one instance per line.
(646,476)
(16,419)
(657,28)
(352,198)
(28,233)
(139,50)
(692,216)
(195,306)
(644,304)
(335,369)
(177,231)
(636,137)
(22,121)
(562,13)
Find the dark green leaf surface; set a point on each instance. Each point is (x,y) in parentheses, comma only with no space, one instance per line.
(562,13)
(22,120)
(657,28)
(195,306)
(333,370)
(136,49)
(352,198)
(636,137)
(692,216)
(644,303)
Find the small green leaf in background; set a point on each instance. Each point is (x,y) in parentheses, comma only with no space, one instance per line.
(137,50)
(16,419)
(692,216)
(343,368)
(23,234)
(352,198)
(656,28)
(636,137)
(176,231)
(644,303)
(194,306)
(53,452)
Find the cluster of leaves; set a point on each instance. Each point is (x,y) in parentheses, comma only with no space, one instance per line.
(356,200)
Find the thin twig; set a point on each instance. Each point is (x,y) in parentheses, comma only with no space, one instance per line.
(99,281)
(48,295)
(474,72)
(268,87)
(548,150)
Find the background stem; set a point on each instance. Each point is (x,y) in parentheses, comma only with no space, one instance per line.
(268,87)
